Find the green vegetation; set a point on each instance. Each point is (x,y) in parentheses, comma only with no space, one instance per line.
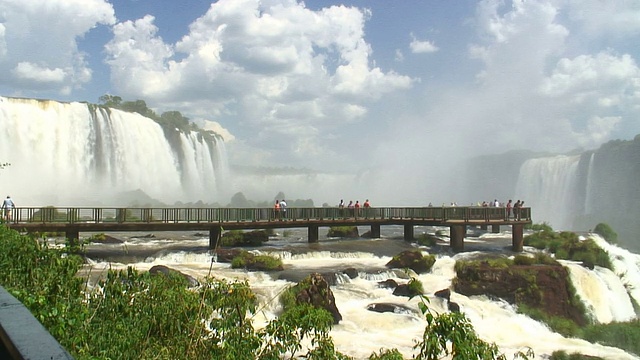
(568,246)
(249,261)
(135,315)
(539,227)
(622,335)
(426,240)
(343,231)
(241,238)
(562,355)
(606,232)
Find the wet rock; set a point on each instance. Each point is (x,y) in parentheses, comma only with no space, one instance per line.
(352,273)
(453,307)
(444,294)
(412,259)
(388,284)
(315,290)
(389,307)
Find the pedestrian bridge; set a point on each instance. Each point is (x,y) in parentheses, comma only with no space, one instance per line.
(73,220)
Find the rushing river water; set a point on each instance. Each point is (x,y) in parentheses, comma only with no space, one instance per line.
(607,294)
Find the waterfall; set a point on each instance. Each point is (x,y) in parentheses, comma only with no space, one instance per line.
(588,206)
(72,154)
(548,185)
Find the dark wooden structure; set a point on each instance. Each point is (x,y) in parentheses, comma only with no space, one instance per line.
(73,220)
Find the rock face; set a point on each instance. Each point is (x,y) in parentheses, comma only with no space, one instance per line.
(161,269)
(315,290)
(412,259)
(544,287)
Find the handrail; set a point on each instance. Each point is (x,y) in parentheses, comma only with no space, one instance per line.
(22,336)
(77,215)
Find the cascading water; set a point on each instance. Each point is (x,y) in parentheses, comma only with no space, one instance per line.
(548,185)
(361,332)
(588,202)
(74,154)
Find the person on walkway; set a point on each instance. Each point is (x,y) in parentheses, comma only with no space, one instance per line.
(351,207)
(7,206)
(276,210)
(509,206)
(283,208)
(357,208)
(516,210)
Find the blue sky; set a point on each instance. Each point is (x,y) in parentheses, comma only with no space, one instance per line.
(344,85)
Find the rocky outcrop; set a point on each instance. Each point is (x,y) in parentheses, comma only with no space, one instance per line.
(315,290)
(544,287)
(412,259)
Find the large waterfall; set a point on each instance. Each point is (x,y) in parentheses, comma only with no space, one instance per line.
(79,154)
(550,186)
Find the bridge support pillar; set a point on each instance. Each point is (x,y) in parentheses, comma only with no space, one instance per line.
(517,239)
(495,229)
(483,227)
(73,235)
(312,233)
(408,232)
(215,233)
(456,234)
(375,231)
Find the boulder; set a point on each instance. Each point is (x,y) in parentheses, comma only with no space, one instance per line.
(389,307)
(388,284)
(352,273)
(315,290)
(164,270)
(412,259)
(444,294)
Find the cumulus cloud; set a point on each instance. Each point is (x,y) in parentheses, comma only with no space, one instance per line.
(275,69)
(38,42)
(422,46)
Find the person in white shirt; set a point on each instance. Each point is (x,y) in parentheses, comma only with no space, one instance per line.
(7,206)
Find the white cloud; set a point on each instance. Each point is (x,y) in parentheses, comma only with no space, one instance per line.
(38,42)
(29,71)
(275,68)
(422,46)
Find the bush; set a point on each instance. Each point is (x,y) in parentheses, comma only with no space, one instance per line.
(426,240)
(567,246)
(343,231)
(241,238)
(562,355)
(622,335)
(606,232)
(539,227)
(249,261)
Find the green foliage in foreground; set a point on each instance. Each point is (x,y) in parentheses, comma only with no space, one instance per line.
(562,355)
(249,261)
(133,315)
(606,232)
(566,245)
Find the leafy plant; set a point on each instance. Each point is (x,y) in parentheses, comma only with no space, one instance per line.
(606,232)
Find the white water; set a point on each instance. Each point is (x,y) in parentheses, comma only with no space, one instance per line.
(362,332)
(548,185)
(588,202)
(65,154)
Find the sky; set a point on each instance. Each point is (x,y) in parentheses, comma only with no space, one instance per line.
(379,87)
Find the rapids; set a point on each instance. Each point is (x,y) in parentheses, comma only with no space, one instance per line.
(607,294)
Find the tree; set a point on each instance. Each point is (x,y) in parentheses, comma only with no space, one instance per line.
(111,101)
(174,119)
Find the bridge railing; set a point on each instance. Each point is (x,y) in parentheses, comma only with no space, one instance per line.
(70,215)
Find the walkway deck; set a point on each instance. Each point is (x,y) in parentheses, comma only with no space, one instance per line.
(73,220)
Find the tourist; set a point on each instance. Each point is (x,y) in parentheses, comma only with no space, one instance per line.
(516,210)
(509,206)
(357,208)
(350,207)
(283,208)
(366,204)
(276,210)
(8,205)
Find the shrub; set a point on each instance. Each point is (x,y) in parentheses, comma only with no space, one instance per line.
(241,238)
(343,231)
(539,227)
(523,260)
(606,232)
(249,261)
(562,355)
(426,240)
